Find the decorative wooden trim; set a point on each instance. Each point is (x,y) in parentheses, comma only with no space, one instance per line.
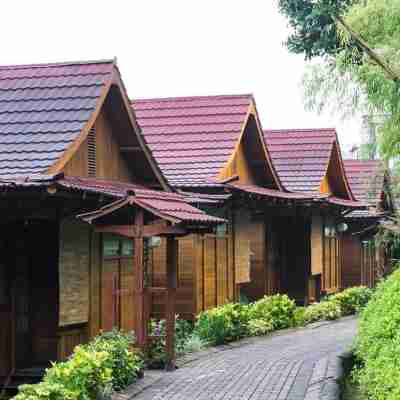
(154,166)
(161,228)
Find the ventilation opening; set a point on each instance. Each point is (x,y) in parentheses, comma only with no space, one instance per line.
(91,141)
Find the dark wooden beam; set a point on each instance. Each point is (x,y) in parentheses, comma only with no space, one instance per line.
(130,149)
(159,228)
(172,279)
(138,267)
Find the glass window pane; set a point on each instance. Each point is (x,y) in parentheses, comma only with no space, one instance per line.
(127,247)
(110,246)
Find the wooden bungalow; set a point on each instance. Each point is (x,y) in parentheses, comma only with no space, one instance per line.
(364,261)
(309,161)
(214,147)
(78,216)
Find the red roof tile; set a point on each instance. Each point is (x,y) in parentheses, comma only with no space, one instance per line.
(366,179)
(167,205)
(301,156)
(43,108)
(192,138)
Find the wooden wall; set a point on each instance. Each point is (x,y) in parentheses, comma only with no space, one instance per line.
(326,256)
(351,260)
(205,274)
(110,163)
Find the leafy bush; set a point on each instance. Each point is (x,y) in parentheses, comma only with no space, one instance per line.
(193,343)
(94,370)
(156,350)
(352,300)
(125,364)
(378,342)
(325,310)
(260,327)
(278,310)
(299,319)
(223,324)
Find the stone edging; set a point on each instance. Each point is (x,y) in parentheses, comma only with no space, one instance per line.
(327,376)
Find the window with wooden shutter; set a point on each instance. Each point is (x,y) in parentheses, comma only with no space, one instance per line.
(91,146)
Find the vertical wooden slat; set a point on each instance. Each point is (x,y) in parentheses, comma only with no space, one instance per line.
(139,307)
(172,269)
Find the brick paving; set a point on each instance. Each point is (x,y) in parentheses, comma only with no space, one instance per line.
(294,365)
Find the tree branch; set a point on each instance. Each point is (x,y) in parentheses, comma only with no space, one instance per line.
(371,53)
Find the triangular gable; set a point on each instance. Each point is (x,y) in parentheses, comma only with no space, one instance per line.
(193,139)
(308,161)
(250,162)
(335,181)
(370,183)
(113,109)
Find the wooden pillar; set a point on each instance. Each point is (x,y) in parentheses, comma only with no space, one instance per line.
(172,271)
(139,306)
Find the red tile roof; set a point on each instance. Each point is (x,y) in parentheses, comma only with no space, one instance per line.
(43,108)
(167,205)
(301,156)
(366,179)
(191,138)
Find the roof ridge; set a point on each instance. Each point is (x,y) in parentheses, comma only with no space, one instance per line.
(299,130)
(189,98)
(58,64)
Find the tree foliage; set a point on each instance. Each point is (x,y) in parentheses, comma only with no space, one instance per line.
(360,42)
(315,31)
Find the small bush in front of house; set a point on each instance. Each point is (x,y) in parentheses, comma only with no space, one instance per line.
(223,324)
(260,327)
(156,356)
(378,342)
(125,364)
(277,310)
(94,370)
(323,311)
(352,300)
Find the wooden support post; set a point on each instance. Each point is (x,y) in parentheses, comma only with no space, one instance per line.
(172,278)
(139,306)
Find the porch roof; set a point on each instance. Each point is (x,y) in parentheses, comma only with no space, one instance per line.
(170,206)
(265,192)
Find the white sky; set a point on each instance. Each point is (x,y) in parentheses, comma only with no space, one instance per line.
(173,48)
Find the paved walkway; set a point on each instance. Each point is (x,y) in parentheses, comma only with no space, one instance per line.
(294,365)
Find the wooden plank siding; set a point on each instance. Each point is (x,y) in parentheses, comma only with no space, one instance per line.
(351,260)
(110,163)
(206,277)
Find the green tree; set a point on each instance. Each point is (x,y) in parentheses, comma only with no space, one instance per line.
(359,41)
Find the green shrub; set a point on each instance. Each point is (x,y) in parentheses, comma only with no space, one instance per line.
(325,310)
(378,342)
(352,300)
(94,370)
(193,344)
(223,324)
(278,310)
(125,364)
(260,327)
(156,355)
(299,319)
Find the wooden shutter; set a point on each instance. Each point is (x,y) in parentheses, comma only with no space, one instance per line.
(317,253)
(242,246)
(91,148)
